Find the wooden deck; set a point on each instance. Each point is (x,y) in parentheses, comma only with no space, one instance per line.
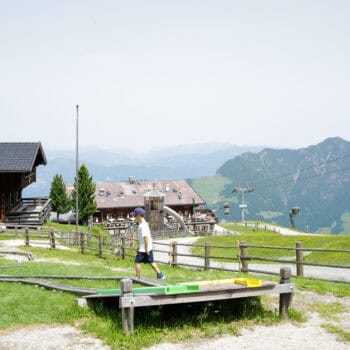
(29,211)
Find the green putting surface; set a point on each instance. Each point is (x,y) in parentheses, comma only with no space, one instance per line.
(175,289)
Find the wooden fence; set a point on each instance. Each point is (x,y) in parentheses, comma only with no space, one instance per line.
(299,257)
(125,246)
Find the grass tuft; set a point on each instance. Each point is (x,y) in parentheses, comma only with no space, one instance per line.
(342,335)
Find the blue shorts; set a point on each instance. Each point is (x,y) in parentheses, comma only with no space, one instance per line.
(143,257)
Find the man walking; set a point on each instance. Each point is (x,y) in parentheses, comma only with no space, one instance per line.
(144,251)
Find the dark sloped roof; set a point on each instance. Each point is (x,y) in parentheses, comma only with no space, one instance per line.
(20,157)
(131,195)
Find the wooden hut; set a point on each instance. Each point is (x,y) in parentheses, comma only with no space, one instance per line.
(18,163)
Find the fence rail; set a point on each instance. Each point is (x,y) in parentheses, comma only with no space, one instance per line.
(174,254)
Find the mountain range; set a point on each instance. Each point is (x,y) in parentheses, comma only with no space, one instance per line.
(172,163)
(315,179)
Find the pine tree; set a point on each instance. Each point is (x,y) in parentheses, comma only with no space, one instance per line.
(59,200)
(86,195)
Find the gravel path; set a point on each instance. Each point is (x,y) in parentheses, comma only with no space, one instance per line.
(309,336)
(49,338)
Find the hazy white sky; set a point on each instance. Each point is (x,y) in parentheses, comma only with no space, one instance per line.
(150,73)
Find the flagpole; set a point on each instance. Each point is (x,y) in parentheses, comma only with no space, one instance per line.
(76,172)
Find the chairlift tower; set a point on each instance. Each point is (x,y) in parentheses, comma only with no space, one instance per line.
(293,212)
(243,205)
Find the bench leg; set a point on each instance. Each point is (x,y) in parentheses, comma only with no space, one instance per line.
(285,298)
(285,302)
(127,312)
(128,319)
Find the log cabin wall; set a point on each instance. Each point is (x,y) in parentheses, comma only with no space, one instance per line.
(2,207)
(10,191)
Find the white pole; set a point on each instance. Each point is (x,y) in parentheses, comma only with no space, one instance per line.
(76,172)
(243,205)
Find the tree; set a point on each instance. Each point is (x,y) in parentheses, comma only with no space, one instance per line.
(59,200)
(86,195)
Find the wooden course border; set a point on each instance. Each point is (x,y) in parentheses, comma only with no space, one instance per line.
(128,301)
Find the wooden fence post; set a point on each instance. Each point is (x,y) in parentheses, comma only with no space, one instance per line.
(100,245)
(299,259)
(134,238)
(127,312)
(52,239)
(207,255)
(26,237)
(174,254)
(244,253)
(123,248)
(113,244)
(285,298)
(82,243)
(170,261)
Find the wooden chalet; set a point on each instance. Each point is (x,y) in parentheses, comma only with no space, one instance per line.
(116,200)
(18,163)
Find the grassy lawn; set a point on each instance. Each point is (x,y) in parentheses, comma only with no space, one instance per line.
(27,305)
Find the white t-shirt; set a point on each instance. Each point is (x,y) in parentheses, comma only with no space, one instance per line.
(144,231)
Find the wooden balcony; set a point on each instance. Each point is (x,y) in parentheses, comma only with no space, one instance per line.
(29,211)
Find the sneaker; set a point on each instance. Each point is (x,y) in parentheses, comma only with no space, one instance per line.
(160,276)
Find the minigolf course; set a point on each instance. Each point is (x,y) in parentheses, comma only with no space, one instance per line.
(130,298)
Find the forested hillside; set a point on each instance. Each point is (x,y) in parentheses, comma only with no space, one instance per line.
(316,179)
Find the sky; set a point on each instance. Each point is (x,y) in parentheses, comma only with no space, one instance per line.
(156,73)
